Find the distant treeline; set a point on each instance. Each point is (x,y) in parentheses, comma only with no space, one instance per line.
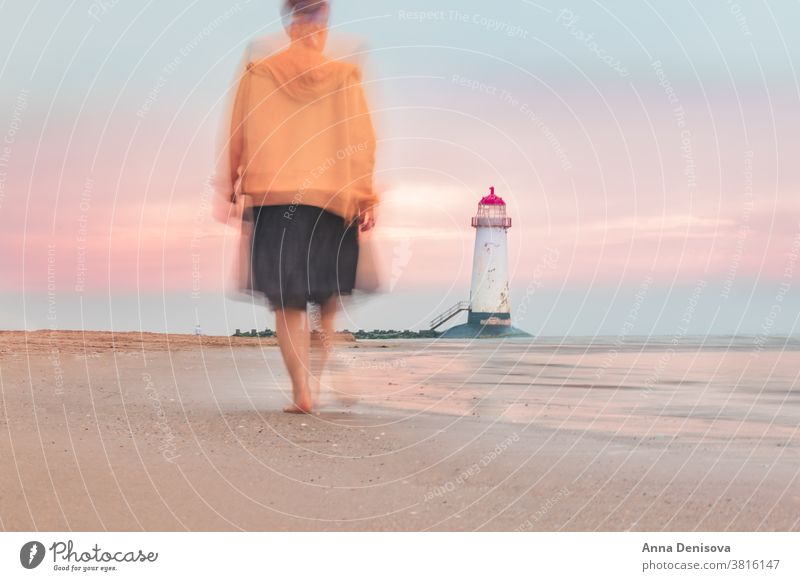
(360,334)
(254,333)
(392,334)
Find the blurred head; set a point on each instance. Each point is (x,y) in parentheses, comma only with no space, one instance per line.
(306,22)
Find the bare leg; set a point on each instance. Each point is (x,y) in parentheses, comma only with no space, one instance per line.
(342,385)
(293,339)
(323,345)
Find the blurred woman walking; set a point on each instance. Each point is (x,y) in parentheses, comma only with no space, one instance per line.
(300,155)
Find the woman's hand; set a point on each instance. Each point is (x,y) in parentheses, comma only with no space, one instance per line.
(366,220)
(223,208)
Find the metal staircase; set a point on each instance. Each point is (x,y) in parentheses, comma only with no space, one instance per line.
(449,314)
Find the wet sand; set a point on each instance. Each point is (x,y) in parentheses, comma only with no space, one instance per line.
(183,433)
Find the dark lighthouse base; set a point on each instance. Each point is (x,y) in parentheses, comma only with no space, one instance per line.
(485,326)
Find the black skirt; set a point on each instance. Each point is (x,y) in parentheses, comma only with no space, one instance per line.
(301,254)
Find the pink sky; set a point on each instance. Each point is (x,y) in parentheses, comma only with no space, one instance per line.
(621,211)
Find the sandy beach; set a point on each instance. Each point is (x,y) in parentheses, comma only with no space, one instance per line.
(170,433)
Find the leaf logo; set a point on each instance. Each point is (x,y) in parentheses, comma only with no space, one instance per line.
(31,554)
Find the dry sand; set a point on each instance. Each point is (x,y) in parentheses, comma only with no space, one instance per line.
(182,433)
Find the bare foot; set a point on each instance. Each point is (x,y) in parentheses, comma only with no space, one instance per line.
(344,389)
(301,408)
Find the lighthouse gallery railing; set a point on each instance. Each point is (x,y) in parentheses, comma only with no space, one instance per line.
(491,222)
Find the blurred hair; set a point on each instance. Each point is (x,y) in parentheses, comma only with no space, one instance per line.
(304,10)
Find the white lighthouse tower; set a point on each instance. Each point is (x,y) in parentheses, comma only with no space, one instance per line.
(489,306)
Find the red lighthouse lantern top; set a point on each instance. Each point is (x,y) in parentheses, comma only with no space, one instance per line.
(491,213)
(492,199)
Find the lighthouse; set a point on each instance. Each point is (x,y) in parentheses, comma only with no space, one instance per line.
(489,307)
